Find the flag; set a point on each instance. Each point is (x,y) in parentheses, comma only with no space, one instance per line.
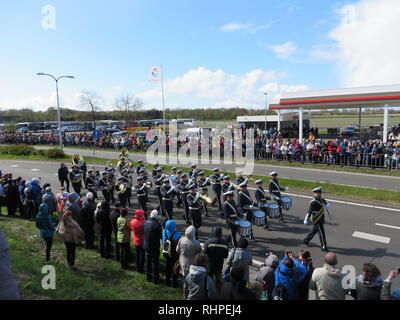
(155,74)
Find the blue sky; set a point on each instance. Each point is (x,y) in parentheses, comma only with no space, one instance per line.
(214,53)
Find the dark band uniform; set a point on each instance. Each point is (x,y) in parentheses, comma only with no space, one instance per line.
(141,193)
(167,204)
(91,184)
(275,190)
(216,186)
(157,179)
(104,187)
(316,215)
(194,209)
(244,202)
(73,175)
(226,186)
(262,198)
(203,183)
(231,216)
(183,192)
(121,195)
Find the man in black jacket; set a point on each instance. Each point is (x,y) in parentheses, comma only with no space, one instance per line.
(217,250)
(103,218)
(114,215)
(152,237)
(63,175)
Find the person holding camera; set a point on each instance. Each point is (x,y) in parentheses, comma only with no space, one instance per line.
(385,292)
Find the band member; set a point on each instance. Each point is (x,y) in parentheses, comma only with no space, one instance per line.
(158,178)
(166,192)
(111,181)
(183,192)
(193,172)
(140,166)
(83,168)
(76,176)
(63,175)
(262,198)
(246,203)
(216,179)
(141,193)
(120,187)
(239,178)
(143,174)
(154,173)
(173,171)
(178,176)
(275,190)
(203,184)
(104,186)
(121,164)
(231,215)
(316,215)
(193,200)
(108,165)
(226,186)
(128,182)
(91,183)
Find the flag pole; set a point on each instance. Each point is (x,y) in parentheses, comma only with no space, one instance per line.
(162,91)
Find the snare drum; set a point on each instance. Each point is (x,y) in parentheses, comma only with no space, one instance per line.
(286,203)
(259,218)
(273,210)
(245,228)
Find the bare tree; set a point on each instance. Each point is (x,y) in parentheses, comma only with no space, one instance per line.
(92,101)
(128,103)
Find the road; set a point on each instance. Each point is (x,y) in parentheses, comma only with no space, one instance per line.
(307,174)
(363,234)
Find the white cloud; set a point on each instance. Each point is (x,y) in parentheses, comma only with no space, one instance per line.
(219,89)
(248,27)
(230,27)
(116,88)
(368,41)
(285,50)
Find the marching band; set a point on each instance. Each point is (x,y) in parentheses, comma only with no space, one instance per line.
(176,189)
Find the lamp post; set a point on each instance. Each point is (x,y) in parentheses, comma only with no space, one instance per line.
(58,104)
(266,108)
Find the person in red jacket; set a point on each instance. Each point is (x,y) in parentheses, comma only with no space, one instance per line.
(137,226)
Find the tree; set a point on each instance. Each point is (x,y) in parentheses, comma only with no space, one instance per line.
(92,101)
(127,103)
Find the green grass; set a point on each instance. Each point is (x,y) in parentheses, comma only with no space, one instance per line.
(96,278)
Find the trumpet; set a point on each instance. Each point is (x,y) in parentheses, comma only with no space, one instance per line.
(205,198)
(149,184)
(122,189)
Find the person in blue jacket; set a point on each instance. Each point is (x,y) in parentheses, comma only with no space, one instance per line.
(37,192)
(289,273)
(22,197)
(45,223)
(171,233)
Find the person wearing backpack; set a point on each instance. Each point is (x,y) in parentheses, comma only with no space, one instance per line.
(197,284)
(87,220)
(236,289)
(243,255)
(187,249)
(288,275)
(50,199)
(170,238)
(44,222)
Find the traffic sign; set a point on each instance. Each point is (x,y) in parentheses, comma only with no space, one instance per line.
(96,134)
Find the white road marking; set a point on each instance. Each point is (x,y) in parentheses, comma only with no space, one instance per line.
(386,226)
(35,170)
(371,237)
(14,166)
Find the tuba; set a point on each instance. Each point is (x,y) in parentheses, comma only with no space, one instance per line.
(124,153)
(122,189)
(77,160)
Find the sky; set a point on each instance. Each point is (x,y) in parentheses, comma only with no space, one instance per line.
(224,53)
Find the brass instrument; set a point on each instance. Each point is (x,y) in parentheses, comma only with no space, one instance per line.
(77,160)
(205,198)
(109,164)
(149,184)
(124,153)
(77,177)
(122,189)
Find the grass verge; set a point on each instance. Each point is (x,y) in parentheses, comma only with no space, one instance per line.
(96,278)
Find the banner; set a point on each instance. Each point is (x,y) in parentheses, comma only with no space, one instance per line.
(155,74)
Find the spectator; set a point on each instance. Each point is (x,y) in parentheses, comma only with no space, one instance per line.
(242,255)
(173,236)
(49,199)
(45,223)
(385,293)
(87,220)
(8,285)
(187,249)
(114,215)
(63,175)
(37,193)
(151,245)
(12,195)
(368,284)
(217,250)
(124,237)
(236,289)
(327,281)
(197,284)
(289,274)
(22,198)
(71,234)
(257,289)
(103,218)
(303,286)
(137,227)
(266,274)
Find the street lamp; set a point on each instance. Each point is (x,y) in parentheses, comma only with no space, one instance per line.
(266,108)
(58,104)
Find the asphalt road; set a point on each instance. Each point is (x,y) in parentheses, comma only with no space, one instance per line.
(307,174)
(377,241)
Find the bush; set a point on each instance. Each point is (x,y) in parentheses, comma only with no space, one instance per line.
(55,153)
(18,150)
